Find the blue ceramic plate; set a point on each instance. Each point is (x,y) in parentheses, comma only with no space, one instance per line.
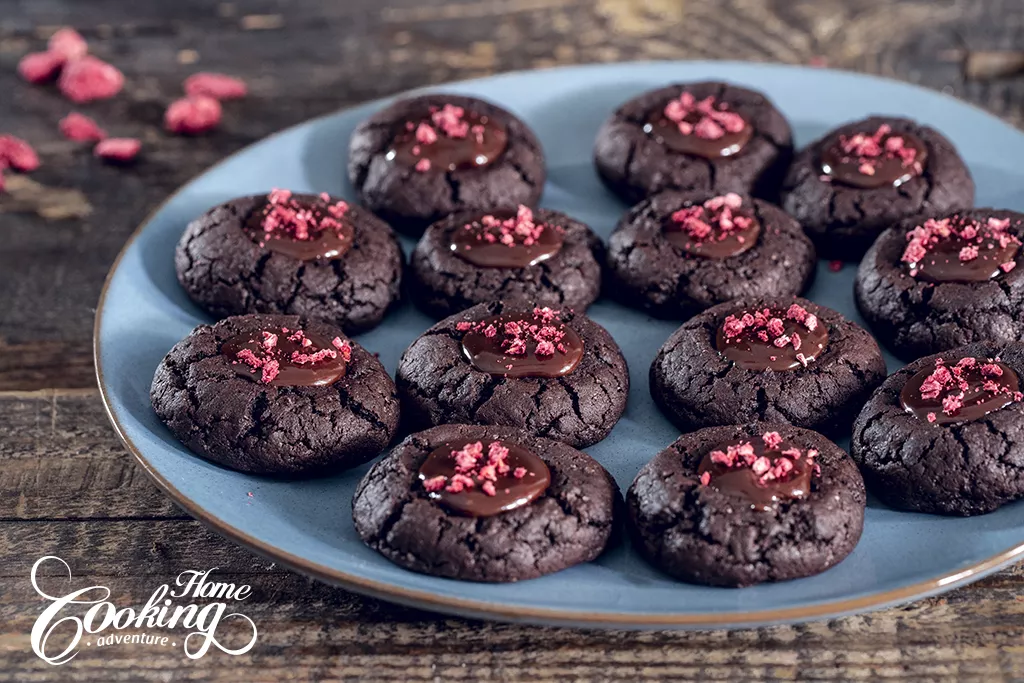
(306,524)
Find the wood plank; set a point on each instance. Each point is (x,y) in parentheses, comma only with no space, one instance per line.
(67,487)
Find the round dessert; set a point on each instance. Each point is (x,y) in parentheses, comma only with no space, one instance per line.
(930,286)
(676,254)
(740,505)
(533,257)
(550,373)
(310,255)
(778,360)
(859,179)
(276,394)
(712,138)
(480,503)
(945,434)
(420,159)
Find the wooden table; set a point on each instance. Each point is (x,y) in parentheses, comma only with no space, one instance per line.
(67,487)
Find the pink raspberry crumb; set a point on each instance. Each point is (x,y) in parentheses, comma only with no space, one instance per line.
(68,44)
(193,115)
(40,67)
(118,149)
(217,86)
(89,78)
(81,128)
(17,154)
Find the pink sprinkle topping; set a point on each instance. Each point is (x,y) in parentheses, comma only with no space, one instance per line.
(476,465)
(193,115)
(118,149)
(88,78)
(81,128)
(284,216)
(520,229)
(770,328)
(707,118)
(423,165)
(425,134)
(869,150)
(217,86)
(715,220)
(268,354)
(949,384)
(773,466)
(925,238)
(450,120)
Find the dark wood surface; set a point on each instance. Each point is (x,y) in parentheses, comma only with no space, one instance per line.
(67,487)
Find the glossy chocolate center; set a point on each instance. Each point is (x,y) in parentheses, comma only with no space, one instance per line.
(719,229)
(772,339)
(484,478)
(517,345)
(302,228)
(704,129)
(507,239)
(870,160)
(964,391)
(961,250)
(449,139)
(285,357)
(761,474)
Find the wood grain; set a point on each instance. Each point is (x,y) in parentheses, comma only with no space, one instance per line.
(67,486)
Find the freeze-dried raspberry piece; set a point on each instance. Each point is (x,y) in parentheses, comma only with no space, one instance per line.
(217,86)
(89,78)
(68,44)
(118,149)
(192,115)
(17,154)
(40,67)
(81,128)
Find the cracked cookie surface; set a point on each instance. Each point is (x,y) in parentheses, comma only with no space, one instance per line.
(241,423)
(444,283)
(411,200)
(226,273)
(634,165)
(843,221)
(438,384)
(647,271)
(915,317)
(571,522)
(699,534)
(697,386)
(959,468)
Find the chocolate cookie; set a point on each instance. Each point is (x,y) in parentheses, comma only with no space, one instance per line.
(945,434)
(676,254)
(423,158)
(711,138)
(540,257)
(276,394)
(859,179)
(307,255)
(944,282)
(778,360)
(491,504)
(740,505)
(553,374)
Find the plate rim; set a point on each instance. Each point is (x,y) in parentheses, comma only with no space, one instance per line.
(428,600)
